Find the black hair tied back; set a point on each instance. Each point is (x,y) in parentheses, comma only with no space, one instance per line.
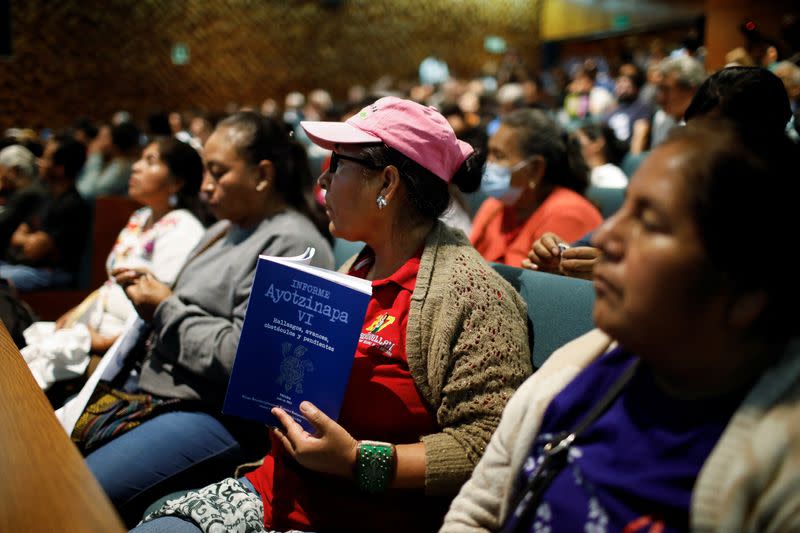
(468,176)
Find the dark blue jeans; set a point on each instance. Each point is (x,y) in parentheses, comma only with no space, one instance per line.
(27,278)
(173,451)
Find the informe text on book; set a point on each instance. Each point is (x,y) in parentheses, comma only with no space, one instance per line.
(312,304)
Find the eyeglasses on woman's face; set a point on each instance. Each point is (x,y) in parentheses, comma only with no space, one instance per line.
(337,157)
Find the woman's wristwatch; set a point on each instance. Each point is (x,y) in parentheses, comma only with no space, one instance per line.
(374,466)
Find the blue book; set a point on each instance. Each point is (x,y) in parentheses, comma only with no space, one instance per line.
(298,340)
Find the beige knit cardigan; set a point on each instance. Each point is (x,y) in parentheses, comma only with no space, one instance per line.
(467,349)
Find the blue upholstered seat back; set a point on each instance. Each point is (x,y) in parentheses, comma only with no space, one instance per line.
(559,308)
(344,250)
(607,199)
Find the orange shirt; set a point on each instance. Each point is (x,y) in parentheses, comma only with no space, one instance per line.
(501,238)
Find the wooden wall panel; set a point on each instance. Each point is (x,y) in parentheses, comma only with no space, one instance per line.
(92,57)
(725,16)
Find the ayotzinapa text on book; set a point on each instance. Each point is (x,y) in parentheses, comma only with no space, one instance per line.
(298,340)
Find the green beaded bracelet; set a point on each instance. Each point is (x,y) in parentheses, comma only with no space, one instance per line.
(374,466)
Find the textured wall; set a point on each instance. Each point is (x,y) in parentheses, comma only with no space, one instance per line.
(91,57)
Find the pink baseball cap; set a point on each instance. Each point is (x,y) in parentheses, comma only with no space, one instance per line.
(418,132)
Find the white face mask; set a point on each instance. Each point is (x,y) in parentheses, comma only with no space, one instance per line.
(496,182)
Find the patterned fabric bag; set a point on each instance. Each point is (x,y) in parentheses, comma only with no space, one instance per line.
(218,508)
(111,412)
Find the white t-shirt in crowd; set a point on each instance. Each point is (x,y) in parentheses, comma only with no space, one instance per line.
(609,176)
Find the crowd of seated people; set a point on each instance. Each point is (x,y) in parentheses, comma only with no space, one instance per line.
(157,239)
(45,248)
(429,388)
(110,156)
(499,176)
(752,97)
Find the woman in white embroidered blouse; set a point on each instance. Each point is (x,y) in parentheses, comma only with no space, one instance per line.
(157,239)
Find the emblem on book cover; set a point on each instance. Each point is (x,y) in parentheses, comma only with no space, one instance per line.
(294,367)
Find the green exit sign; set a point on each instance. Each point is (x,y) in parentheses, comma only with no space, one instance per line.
(180,53)
(495,44)
(621,22)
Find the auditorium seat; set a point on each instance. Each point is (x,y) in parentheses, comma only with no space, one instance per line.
(607,199)
(630,163)
(344,250)
(559,308)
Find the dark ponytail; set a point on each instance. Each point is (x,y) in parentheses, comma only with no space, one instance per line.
(541,135)
(468,176)
(575,175)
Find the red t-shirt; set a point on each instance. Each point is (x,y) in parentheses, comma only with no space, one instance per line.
(381,403)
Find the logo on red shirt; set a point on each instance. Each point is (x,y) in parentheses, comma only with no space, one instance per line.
(381,322)
(370,337)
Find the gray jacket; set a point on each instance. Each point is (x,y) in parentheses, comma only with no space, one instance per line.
(196,330)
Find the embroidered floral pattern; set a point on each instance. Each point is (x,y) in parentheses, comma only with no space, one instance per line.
(135,244)
(542,522)
(596,515)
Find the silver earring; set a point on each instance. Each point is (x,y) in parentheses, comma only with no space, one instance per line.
(173,200)
(381,201)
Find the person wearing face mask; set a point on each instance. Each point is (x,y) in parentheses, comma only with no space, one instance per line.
(535,177)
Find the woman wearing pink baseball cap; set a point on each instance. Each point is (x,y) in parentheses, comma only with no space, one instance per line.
(444,346)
